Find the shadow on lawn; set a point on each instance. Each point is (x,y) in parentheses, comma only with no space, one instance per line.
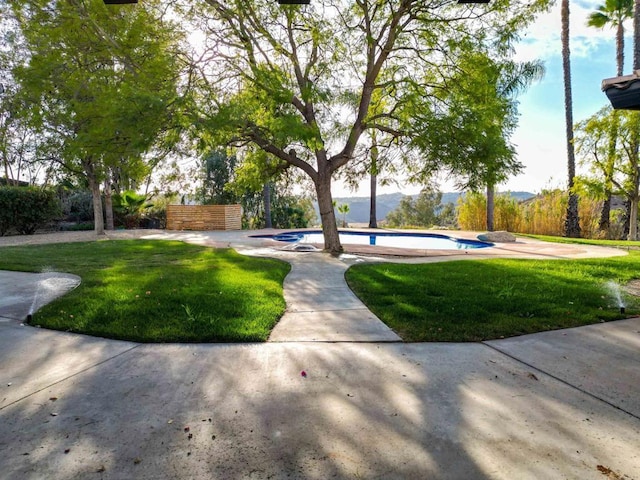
(154,291)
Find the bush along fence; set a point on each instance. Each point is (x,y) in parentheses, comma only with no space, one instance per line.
(204,217)
(25,209)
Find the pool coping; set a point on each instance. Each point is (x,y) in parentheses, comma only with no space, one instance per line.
(523,247)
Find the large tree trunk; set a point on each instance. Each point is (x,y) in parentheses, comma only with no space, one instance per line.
(572,222)
(266,192)
(108,205)
(633,219)
(625,217)
(605,214)
(328,215)
(373,210)
(620,48)
(373,181)
(94,186)
(490,207)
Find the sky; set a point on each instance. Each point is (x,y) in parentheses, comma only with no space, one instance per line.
(540,137)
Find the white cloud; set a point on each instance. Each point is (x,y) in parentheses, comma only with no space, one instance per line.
(542,39)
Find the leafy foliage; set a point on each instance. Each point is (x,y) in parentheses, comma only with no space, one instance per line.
(424,211)
(129,206)
(77,206)
(283,84)
(107,91)
(543,214)
(467,133)
(25,209)
(218,171)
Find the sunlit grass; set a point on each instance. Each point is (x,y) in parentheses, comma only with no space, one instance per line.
(158,291)
(634,244)
(488,299)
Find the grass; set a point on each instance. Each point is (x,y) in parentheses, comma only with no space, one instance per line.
(487,299)
(586,241)
(158,291)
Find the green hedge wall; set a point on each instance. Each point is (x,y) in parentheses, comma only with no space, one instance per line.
(24,209)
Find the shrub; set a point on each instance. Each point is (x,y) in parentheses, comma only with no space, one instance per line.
(7,209)
(156,214)
(472,212)
(507,214)
(26,208)
(77,227)
(541,215)
(128,208)
(78,207)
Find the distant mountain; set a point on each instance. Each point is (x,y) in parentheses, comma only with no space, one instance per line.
(359,206)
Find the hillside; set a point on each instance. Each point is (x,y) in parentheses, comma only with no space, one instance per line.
(359,206)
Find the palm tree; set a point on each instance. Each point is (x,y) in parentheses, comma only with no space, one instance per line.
(572,222)
(343,208)
(373,183)
(512,79)
(613,13)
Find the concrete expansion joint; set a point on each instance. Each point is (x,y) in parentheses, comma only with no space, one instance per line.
(364,309)
(80,372)
(561,380)
(342,342)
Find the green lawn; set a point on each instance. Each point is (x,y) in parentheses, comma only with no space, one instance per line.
(158,291)
(487,299)
(625,244)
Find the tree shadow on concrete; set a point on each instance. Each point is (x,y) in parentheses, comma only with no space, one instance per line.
(362,411)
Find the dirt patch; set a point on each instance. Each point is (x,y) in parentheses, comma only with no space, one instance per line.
(632,288)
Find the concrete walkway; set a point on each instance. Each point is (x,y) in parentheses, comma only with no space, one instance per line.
(555,405)
(24,293)
(321,307)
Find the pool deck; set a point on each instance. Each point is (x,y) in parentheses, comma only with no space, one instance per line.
(553,405)
(523,248)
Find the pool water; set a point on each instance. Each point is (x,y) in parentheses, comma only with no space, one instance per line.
(422,241)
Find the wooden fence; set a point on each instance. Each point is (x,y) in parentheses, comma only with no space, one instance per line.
(204,217)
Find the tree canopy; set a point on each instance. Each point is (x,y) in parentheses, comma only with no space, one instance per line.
(300,82)
(99,85)
(317,87)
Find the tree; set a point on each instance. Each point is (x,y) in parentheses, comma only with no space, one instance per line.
(379,159)
(18,144)
(421,212)
(469,134)
(218,171)
(572,221)
(510,79)
(298,82)
(104,94)
(343,208)
(613,13)
(263,185)
(593,144)
(595,150)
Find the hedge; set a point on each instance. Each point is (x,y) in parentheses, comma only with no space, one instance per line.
(25,209)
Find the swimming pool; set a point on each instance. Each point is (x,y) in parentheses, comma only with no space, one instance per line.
(422,241)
